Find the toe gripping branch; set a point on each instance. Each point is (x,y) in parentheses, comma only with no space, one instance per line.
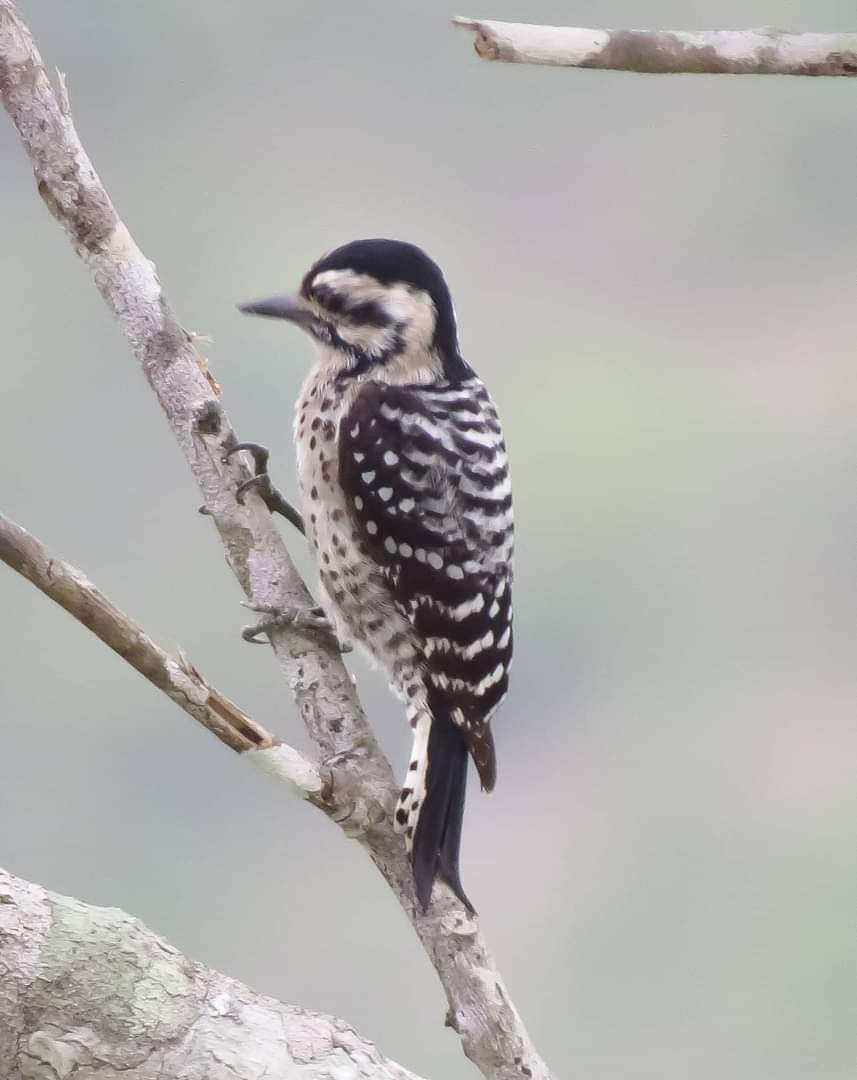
(308,620)
(261,482)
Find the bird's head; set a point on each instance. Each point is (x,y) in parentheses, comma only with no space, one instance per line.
(375,307)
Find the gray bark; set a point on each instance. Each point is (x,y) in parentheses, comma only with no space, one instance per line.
(666,52)
(91,993)
(175,676)
(362,788)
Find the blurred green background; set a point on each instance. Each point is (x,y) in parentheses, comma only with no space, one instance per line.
(656,277)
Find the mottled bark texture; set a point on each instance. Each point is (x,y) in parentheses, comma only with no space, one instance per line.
(91,992)
(664,52)
(363,785)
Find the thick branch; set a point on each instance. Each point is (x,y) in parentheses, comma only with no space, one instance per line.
(480,1008)
(663,52)
(91,991)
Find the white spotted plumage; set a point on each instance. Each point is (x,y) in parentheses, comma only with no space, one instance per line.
(407,506)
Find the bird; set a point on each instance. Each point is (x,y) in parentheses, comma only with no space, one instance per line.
(407,507)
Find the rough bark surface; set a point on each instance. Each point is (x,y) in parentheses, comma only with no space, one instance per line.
(665,52)
(363,786)
(90,992)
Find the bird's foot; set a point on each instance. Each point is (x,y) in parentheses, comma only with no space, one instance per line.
(261,483)
(307,620)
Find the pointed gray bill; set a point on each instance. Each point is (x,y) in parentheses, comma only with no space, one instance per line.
(287,306)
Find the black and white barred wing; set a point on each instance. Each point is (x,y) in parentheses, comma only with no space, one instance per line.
(426,475)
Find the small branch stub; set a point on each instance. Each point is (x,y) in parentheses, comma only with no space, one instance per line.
(666,52)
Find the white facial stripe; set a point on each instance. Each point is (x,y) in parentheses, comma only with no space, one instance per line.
(340,279)
(410,309)
(404,349)
(374,340)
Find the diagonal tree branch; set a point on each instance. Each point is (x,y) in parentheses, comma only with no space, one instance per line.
(90,991)
(176,677)
(663,52)
(480,1008)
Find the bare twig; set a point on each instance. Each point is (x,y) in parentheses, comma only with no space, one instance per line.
(662,52)
(177,677)
(480,1008)
(90,991)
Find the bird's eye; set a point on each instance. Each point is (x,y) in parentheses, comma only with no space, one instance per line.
(369,313)
(332,301)
(342,306)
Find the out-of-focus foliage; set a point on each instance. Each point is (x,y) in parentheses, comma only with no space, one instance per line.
(656,276)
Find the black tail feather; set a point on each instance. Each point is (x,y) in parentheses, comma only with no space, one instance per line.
(451,844)
(437,837)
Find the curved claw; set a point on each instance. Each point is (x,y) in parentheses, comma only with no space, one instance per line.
(250,634)
(259,453)
(261,481)
(310,620)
